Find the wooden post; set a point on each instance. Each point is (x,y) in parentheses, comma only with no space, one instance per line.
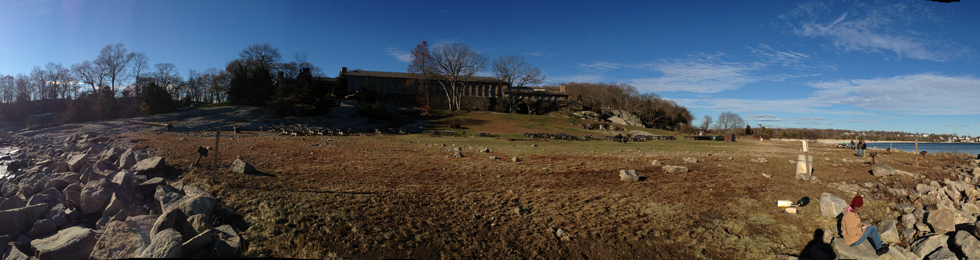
(916,151)
(217,137)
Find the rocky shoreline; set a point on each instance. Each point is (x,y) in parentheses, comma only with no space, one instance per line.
(933,219)
(86,196)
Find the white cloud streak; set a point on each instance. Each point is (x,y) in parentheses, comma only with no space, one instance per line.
(400,55)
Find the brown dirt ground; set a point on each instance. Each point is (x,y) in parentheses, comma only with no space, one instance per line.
(405,196)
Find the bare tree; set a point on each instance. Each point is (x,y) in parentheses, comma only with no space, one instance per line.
(457,63)
(728,121)
(167,77)
(87,73)
(706,123)
(7,90)
(113,61)
(39,84)
(22,88)
(140,63)
(517,73)
(423,69)
(263,54)
(60,80)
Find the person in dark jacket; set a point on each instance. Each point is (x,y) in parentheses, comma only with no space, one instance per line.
(864,147)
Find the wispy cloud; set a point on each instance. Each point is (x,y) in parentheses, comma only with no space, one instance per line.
(699,74)
(602,65)
(863,121)
(753,116)
(575,78)
(399,55)
(876,28)
(539,54)
(919,94)
(789,59)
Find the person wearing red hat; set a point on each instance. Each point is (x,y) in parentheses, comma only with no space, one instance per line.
(855,232)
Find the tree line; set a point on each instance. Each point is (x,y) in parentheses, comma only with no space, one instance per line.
(118,83)
(650,108)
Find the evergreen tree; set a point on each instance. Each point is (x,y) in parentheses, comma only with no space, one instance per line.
(748,130)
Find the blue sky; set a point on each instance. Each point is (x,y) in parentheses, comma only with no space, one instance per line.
(861,65)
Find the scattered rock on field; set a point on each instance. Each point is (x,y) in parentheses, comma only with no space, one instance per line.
(628,175)
(831,205)
(674,169)
(242,167)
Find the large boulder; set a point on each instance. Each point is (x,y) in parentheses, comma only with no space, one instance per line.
(925,245)
(226,242)
(42,228)
(67,244)
(888,232)
(149,165)
(118,240)
(14,221)
(845,251)
(882,170)
(831,205)
(127,159)
(15,254)
(628,175)
(13,203)
(165,244)
(967,244)
(95,196)
(148,187)
(196,242)
(142,224)
(166,197)
(944,220)
(57,216)
(674,169)
(75,162)
(240,166)
(942,253)
(172,219)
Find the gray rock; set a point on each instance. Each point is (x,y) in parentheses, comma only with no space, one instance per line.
(967,244)
(845,251)
(925,245)
(118,240)
(42,228)
(14,221)
(196,224)
(904,208)
(59,183)
(194,191)
(923,227)
(69,243)
(73,193)
(942,253)
(520,211)
(887,231)
(196,206)
(57,215)
(15,254)
(907,235)
(943,221)
(165,244)
(172,219)
(75,162)
(691,160)
(924,188)
(515,159)
(13,203)
(226,241)
(760,160)
(628,175)
(114,206)
(882,170)
(34,212)
(150,186)
(142,224)
(674,169)
(149,165)
(166,197)
(563,235)
(240,166)
(909,220)
(831,205)
(127,159)
(95,196)
(196,242)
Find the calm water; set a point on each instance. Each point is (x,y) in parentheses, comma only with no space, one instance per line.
(969,148)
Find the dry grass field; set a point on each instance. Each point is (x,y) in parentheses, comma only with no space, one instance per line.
(406,196)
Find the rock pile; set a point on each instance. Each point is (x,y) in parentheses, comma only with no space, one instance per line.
(81,197)
(940,222)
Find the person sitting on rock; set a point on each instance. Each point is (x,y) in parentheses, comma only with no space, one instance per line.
(855,232)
